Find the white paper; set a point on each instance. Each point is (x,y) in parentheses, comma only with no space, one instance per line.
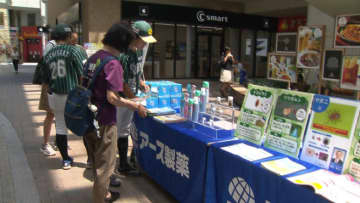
(247,152)
(283,166)
(336,188)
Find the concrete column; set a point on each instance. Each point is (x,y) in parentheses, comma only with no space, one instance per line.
(189,45)
(97,17)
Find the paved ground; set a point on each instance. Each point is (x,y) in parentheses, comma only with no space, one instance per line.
(28,176)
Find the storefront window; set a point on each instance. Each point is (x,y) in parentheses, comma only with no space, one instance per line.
(181,31)
(247,37)
(164,51)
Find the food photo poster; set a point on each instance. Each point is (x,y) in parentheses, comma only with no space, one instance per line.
(331,129)
(310,46)
(286,42)
(255,113)
(347,31)
(350,73)
(282,67)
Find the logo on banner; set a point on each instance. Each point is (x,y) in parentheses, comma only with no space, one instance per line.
(202,17)
(240,191)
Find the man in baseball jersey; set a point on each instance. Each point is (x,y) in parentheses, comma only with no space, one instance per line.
(134,81)
(63,71)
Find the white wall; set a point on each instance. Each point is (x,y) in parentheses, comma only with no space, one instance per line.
(24,20)
(26,3)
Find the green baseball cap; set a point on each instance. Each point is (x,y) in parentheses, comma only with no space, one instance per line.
(144,31)
(62,29)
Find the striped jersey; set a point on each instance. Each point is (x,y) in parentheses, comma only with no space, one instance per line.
(63,68)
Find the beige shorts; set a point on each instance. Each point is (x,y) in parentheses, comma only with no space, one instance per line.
(44,101)
(226,76)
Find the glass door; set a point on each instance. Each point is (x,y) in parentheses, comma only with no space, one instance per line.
(203,56)
(215,54)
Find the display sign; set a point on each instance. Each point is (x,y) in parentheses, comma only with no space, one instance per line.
(352,165)
(310,46)
(332,64)
(286,42)
(195,16)
(291,24)
(261,47)
(350,73)
(331,128)
(255,113)
(282,67)
(347,31)
(288,122)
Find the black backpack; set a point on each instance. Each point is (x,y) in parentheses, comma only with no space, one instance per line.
(78,116)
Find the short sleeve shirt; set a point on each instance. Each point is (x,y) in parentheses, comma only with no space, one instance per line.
(63,68)
(131,62)
(110,78)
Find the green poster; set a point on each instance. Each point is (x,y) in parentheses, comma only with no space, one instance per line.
(255,113)
(352,165)
(288,122)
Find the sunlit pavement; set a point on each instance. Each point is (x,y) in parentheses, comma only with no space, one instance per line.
(25,166)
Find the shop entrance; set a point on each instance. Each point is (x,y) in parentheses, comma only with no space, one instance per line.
(209,46)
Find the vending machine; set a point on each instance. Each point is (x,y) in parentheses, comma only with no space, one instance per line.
(32,46)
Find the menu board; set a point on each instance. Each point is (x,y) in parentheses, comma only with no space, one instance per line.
(288,122)
(310,46)
(332,64)
(350,73)
(255,113)
(347,34)
(352,165)
(331,128)
(282,67)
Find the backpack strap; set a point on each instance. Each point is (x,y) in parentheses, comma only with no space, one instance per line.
(97,71)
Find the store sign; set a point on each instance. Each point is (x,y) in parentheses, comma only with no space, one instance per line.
(201,16)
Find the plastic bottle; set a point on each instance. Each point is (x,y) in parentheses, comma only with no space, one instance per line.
(196,109)
(207,92)
(190,109)
(193,90)
(203,101)
(182,105)
(186,105)
(188,87)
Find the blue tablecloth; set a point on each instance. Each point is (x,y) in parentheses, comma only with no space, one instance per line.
(231,178)
(175,156)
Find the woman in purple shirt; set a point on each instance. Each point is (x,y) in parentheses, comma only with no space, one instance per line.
(108,85)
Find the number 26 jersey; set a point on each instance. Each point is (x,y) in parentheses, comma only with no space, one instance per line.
(64,68)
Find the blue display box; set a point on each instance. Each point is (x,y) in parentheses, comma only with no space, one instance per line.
(175,101)
(175,89)
(152,102)
(164,90)
(164,102)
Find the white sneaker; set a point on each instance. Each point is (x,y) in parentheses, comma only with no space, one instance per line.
(47,150)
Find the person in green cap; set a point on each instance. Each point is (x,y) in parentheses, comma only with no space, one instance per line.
(133,81)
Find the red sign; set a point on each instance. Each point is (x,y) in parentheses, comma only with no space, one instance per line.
(291,24)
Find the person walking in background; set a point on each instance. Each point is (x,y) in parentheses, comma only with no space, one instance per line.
(106,96)
(226,74)
(15,55)
(131,61)
(46,148)
(74,42)
(63,71)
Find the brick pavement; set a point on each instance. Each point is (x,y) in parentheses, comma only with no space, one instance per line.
(44,179)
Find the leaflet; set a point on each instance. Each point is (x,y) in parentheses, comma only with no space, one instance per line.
(288,122)
(247,152)
(255,113)
(352,165)
(336,188)
(283,166)
(331,129)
